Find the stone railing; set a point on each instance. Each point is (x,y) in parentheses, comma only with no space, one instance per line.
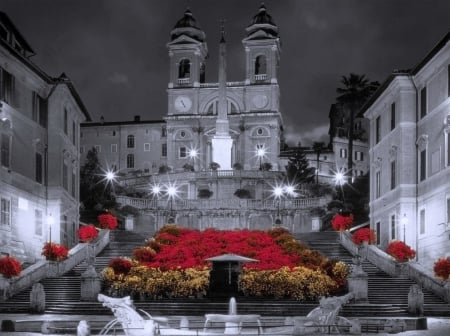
(411,269)
(201,204)
(43,268)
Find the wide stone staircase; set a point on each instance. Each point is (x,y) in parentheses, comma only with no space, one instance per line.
(387,295)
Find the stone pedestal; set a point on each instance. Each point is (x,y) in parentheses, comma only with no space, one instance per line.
(415,300)
(37,299)
(90,284)
(129,223)
(358,282)
(4,288)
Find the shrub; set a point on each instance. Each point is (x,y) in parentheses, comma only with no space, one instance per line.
(107,221)
(164,169)
(87,233)
(442,268)
(204,193)
(242,193)
(54,252)
(144,254)
(120,265)
(214,166)
(9,267)
(188,167)
(340,222)
(363,235)
(400,251)
(266,166)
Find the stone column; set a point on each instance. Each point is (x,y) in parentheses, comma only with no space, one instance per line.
(415,300)
(4,288)
(90,284)
(37,299)
(358,281)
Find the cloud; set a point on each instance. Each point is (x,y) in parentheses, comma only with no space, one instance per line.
(306,138)
(118,78)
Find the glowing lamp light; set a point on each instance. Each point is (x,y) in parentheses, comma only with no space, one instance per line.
(278,191)
(110,176)
(339,177)
(171,191)
(261,152)
(193,153)
(156,190)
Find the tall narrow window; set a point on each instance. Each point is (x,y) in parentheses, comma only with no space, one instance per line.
(392,116)
(377,184)
(39,171)
(423,165)
(447,135)
(448,211)
(423,102)
(359,156)
(74,133)
(448,80)
(343,153)
(5,150)
(260,65)
(163,132)
(38,222)
(5,212)
(73,188)
(184,69)
(130,141)
(65,177)
(7,87)
(65,121)
(130,161)
(164,150)
(377,232)
(422,221)
(377,129)
(393,227)
(393,174)
(182,152)
(202,73)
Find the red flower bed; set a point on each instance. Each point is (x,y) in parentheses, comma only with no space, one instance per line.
(107,221)
(340,222)
(10,266)
(400,251)
(442,268)
(120,265)
(87,233)
(364,235)
(55,252)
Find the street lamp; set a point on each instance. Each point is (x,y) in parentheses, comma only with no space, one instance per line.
(260,152)
(171,191)
(50,222)
(404,222)
(278,192)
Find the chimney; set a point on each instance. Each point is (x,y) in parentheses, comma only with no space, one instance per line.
(137,118)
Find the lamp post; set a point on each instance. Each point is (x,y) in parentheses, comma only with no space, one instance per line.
(260,152)
(404,222)
(50,222)
(278,192)
(171,192)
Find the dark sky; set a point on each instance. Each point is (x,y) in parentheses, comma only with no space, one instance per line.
(115,50)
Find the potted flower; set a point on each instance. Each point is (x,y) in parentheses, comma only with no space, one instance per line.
(400,251)
(87,233)
(107,221)
(341,222)
(442,268)
(10,267)
(54,252)
(364,235)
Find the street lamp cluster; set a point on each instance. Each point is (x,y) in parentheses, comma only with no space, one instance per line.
(171,191)
(279,191)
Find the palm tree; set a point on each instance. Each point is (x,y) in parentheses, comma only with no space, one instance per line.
(318,147)
(353,94)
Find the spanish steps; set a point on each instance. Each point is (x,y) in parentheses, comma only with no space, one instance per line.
(388,296)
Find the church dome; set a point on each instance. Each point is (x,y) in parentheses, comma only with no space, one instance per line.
(263,21)
(187,25)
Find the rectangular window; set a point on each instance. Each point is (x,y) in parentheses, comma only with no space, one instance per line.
(65,121)
(392,116)
(448,148)
(377,232)
(448,80)
(74,184)
(435,161)
(130,161)
(377,130)
(130,141)
(39,110)
(39,171)
(113,148)
(98,148)
(7,87)
(146,147)
(38,222)
(65,177)
(182,152)
(74,133)
(423,102)
(448,211)
(422,221)
(393,174)
(393,226)
(5,150)
(5,214)
(423,165)
(377,184)
(163,132)
(164,150)
(343,153)
(359,156)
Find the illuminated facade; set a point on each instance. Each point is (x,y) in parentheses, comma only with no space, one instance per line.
(39,140)
(410,156)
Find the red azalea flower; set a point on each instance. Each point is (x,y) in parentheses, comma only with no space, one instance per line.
(107,221)
(442,268)
(120,265)
(364,235)
(87,233)
(341,222)
(400,251)
(55,252)
(10,266)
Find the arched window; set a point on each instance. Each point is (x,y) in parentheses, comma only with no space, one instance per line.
(184,69)
(130,141)
(260,65)
(130,161)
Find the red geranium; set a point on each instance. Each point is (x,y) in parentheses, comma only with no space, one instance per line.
(55,252)
(107,221)
(400,251)
(364,235)
(341,222)
(87,233)
(120,265)
(9,267)
(442,268)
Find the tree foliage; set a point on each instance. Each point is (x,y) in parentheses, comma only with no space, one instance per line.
(298,170)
